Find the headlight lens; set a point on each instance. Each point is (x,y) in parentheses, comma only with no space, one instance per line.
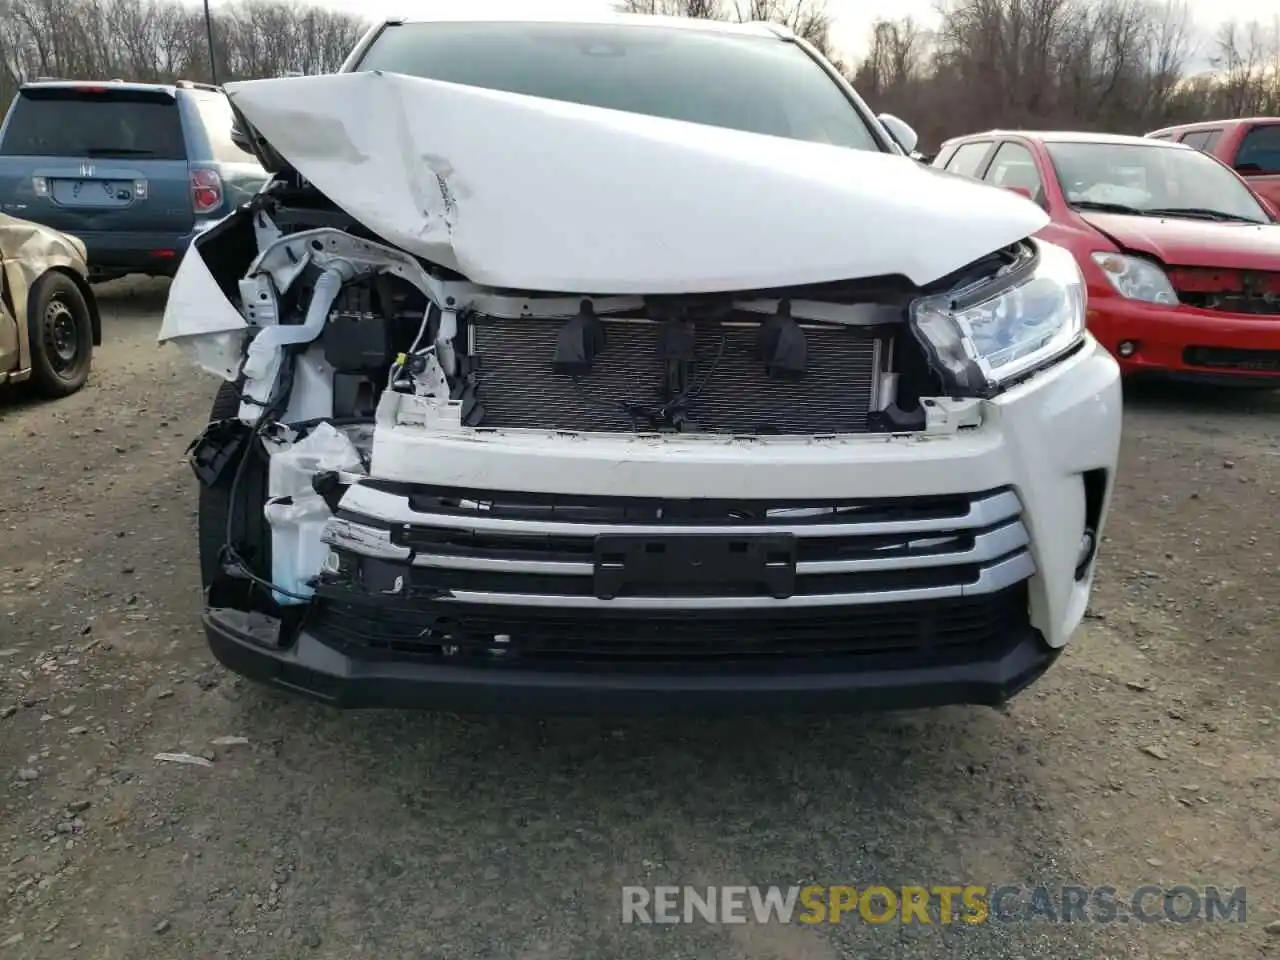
(1136,278)
(980,346)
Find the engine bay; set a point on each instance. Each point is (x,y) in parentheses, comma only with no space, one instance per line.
(349,348)
(360,324)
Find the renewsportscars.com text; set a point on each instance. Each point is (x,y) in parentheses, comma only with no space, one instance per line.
(940,904)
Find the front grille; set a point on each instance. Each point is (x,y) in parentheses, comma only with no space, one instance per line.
(1228,358)
(479,551)
(517,388)
(873,637)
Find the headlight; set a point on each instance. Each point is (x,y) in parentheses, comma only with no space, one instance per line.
(980,345)
(1136,278)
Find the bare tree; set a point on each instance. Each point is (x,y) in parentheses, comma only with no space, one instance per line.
(1118,65)
(165,40)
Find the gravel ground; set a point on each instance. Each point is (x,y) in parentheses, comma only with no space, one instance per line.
(1149,754)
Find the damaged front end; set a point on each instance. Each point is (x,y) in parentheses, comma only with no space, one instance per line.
(408,464)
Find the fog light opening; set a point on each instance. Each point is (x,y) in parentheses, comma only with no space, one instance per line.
(1127,348)
(1088,547)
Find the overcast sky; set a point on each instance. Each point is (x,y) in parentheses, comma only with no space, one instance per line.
(852,17)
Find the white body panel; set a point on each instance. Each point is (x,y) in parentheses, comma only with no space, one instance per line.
(1037,438)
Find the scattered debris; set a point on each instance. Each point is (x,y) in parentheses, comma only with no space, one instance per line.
(1155,750)
(163,926)
(1136,685)
(230,741)
(28,774)
(183,758)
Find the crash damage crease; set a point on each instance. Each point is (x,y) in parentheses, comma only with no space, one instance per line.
(378,308)
(27,252)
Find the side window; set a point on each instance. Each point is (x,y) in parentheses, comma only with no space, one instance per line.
(1161,136)
(216,118)
(1259,151)
(1197,139)
(1014,166)
(966,160)
(944,157)
(1212,140)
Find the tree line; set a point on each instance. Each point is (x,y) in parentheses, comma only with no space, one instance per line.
(1125,66)
(1122,66)
(155,41)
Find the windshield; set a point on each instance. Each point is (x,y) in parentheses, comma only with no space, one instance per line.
(94,122)
(1152,178)
(756,84)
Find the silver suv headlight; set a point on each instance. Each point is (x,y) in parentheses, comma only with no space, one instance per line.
(987,335)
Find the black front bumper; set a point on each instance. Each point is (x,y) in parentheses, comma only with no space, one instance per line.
(322,672)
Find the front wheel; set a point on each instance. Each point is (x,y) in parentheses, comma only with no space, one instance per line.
(60,332)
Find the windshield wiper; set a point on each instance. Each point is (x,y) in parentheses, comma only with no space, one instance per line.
(117,151)
(1103,207)
(1198,213)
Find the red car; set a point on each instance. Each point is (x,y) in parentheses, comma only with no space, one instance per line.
(1250,147)
(1181,258)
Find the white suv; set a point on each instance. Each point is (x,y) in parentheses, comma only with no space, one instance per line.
(631,364)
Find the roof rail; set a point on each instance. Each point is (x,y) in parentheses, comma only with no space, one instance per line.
(196,85)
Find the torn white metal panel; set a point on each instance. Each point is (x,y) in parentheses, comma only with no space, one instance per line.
(296,513)
(539,195)
(200,320)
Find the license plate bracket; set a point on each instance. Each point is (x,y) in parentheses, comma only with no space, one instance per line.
(694,565)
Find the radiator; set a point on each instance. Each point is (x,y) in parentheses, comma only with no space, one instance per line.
(517,388)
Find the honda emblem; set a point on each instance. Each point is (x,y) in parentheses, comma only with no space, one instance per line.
(86,169)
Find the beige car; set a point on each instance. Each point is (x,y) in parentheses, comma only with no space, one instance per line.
(49,322)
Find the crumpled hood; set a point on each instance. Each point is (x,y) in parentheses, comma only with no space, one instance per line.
(1194,243)
(532,194)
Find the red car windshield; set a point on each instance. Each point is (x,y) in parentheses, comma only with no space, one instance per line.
(1153,179)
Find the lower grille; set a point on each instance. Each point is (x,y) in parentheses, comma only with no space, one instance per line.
(1225,358)
(611,554)
(874,637)
(517,389)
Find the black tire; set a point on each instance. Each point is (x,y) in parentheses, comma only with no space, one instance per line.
(249,529)
(60,332)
